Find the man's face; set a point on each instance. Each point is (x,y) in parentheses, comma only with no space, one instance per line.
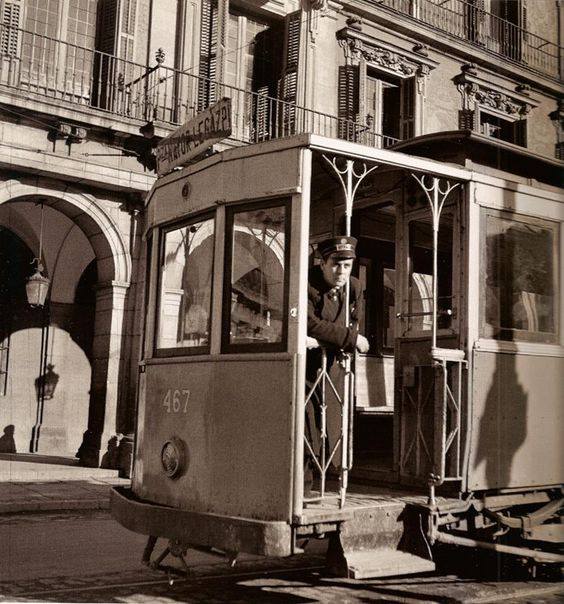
(336,272)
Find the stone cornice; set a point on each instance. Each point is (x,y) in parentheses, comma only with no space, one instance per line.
(390,58)
(497,98)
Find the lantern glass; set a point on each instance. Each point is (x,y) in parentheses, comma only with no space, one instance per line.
(37,287)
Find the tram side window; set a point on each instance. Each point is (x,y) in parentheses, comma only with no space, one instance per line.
(185,288)
(255,299)
(521,279)
(421,277)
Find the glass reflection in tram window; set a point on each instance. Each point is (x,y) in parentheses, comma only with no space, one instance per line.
(520,279)
(186,284)
(257,276)
(421,279)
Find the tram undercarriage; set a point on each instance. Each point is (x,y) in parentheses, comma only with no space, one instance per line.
(428,439)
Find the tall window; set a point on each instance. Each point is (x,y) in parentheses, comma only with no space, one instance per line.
(521,284)
(381,115)
(390,105)
(185,288)
(255,296)
(57,48)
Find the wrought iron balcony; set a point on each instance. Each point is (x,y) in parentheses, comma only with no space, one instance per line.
(466,21)
(38,67)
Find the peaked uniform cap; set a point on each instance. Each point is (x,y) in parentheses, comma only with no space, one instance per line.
(340,248)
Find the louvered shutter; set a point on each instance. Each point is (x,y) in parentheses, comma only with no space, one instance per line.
(10,41)
(348,101)
(407,115)
(520,132)
(523,41)
(126,40)
(466,119)
(222,9)
(113,68)
(107,26)
(11,22)
(106,79)
(210,36)
(288,84)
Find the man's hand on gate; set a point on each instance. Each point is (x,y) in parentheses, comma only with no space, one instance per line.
(362,344)
(311,342)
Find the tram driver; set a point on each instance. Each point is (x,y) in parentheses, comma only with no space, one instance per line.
(327,330)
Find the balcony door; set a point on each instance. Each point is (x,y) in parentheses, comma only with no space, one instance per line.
(390,105)
(499,25)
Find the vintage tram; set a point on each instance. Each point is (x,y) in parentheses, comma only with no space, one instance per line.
(454,416)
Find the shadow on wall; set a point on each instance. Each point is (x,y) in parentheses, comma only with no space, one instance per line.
(503,426)
(512,267)
(7,442)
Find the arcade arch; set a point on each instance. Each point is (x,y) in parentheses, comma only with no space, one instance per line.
(77,232)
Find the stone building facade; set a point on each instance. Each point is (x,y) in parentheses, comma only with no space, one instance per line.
(87,88)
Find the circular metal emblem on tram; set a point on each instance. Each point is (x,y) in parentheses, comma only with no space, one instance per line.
(173,457)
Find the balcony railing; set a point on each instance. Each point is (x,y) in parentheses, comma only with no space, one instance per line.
(466,21)
(44,68)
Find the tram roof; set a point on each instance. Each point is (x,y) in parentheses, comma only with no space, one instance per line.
(388,157)
(477,151)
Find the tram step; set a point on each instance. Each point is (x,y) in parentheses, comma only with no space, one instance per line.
(371,564)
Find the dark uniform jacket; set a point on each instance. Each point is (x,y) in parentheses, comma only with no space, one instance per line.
(326,318)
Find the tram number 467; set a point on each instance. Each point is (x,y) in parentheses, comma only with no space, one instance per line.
(176,401)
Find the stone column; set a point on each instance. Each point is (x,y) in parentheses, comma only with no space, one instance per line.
(107,367)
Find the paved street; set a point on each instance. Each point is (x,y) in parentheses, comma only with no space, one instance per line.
(84,556)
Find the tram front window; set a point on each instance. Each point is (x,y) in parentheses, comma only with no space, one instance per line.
(256,256)
(185,287)
(421,280)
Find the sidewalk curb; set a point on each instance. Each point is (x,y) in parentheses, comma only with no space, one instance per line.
(55,506)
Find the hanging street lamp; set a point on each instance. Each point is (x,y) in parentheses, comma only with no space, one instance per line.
(37,285)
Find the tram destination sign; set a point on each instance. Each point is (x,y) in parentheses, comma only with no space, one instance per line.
(194,137)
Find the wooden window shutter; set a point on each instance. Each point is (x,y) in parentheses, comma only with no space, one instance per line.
(348,101)
(520,132)
(466,119)
(127,30)
(221,40)
(407,115)
(288,83)
(107,26)
(288,86)
(11,22)
(207,26)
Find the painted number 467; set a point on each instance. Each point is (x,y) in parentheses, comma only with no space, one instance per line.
(176,401)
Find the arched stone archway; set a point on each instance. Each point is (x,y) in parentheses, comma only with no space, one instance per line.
(107,239)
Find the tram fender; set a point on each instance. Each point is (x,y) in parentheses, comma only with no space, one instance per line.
(260,537)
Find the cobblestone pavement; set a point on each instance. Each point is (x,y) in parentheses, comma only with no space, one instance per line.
(76,556)
(273,582)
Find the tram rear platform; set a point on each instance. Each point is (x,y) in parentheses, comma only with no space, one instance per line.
(377,532)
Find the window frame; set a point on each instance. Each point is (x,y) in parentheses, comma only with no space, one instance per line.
(490,332)
(226,346)
(383,79)
(163,230)
(518,126)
